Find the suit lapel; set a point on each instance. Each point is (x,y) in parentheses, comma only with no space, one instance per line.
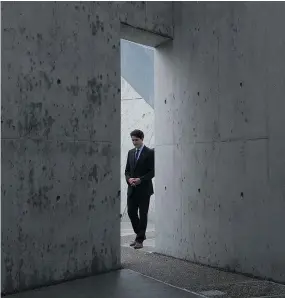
(133,162)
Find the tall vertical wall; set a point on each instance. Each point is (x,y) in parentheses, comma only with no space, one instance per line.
(220,137)
(61,136)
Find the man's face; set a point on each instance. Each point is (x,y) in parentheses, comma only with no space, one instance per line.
(137,142)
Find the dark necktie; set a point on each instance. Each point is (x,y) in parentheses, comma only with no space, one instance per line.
(137,154)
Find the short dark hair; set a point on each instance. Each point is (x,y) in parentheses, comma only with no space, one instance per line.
(137,133)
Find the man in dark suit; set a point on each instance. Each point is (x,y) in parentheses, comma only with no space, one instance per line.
(139,173)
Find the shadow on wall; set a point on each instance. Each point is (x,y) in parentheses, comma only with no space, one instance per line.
(139,73)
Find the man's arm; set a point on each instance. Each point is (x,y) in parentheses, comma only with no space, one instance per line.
(150,174)
(128,170)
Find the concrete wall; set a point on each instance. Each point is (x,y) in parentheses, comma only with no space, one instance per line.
(220,137)
(61,136)
(137,67)
(136,113)
(219,134)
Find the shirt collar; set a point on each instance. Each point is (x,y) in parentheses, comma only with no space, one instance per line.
(140,149)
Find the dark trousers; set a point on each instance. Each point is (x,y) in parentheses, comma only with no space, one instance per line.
(137,204)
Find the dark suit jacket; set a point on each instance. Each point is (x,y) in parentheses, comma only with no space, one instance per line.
(143,169)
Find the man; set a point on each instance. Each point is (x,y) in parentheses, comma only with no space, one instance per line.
(139,173)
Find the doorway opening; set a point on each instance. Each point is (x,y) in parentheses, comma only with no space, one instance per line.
(137,112)
(138,50)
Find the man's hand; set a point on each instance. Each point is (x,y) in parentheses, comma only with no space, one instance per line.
(131,181)
(137,181)
(134,181)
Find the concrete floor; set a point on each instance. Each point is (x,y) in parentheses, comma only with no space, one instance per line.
(146,274)
(117,284)
(201,280)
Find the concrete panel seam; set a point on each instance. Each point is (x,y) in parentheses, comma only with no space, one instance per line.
(147,31)
(219,141)
(56,140)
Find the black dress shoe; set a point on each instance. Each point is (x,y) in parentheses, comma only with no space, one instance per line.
(138,245)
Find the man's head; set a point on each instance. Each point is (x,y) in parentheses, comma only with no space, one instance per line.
(137,138)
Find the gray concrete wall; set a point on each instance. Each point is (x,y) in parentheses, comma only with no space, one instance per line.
(220,137)
(61,136)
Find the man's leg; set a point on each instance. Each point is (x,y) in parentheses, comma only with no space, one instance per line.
(133,206)
(143,210)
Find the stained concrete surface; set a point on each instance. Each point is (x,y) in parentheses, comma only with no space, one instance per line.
(220,102)
(60,140)
(219,124)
